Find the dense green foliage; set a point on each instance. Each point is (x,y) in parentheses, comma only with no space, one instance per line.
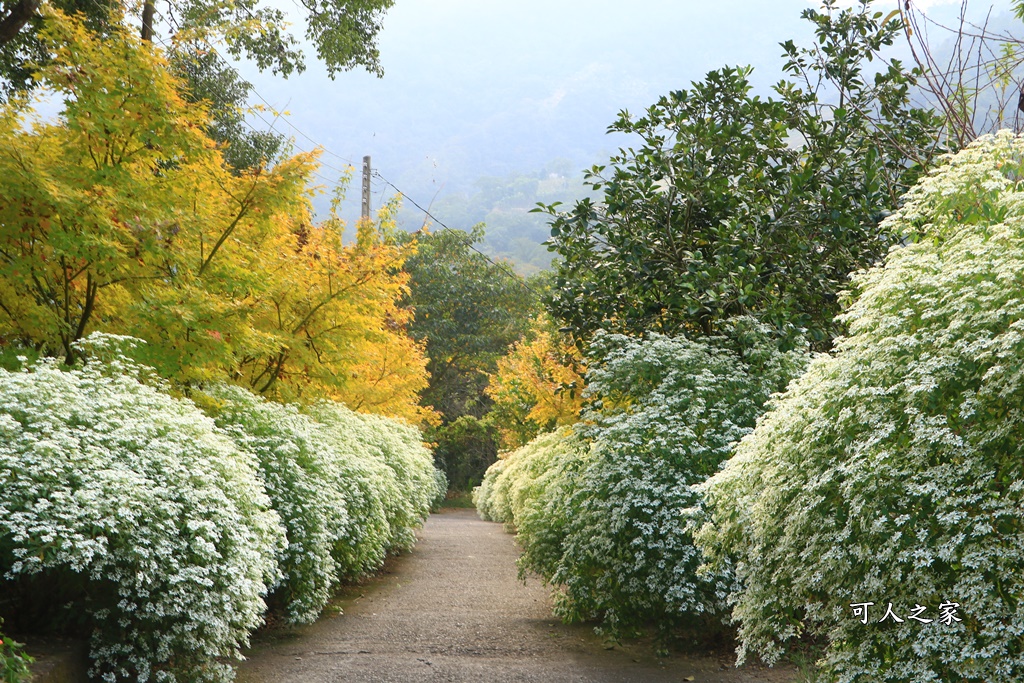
(464,449)
(664,415)
(891,473)
(468,312)
(14,662)
(736,205)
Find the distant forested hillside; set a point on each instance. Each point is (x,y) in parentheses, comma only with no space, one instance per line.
(504,205)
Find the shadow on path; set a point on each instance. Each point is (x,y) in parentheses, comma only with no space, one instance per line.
(453,610)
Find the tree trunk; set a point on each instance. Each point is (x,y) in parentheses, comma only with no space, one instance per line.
(16,19)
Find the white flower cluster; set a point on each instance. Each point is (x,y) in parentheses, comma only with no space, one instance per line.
(512,485)
(349,488)
(116,481)
(893,470)
(166,519)
(413,483)
(610,523)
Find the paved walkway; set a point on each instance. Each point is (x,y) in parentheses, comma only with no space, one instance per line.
(454,610)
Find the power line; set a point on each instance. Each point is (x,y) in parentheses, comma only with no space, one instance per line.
(296,129)
(468,242)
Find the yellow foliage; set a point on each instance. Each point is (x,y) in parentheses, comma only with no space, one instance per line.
(121,216)
(335,308)
(538,386)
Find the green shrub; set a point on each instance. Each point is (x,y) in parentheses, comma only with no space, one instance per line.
(137,498)
(465,449)
(14,662)
(893,471)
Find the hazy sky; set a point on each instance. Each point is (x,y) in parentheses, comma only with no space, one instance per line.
(478,87)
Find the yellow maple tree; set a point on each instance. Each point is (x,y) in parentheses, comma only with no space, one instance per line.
(538,386)
(122,216)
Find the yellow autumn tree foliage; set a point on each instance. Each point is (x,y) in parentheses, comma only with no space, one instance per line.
(121,216)
(538,386)
(343,334)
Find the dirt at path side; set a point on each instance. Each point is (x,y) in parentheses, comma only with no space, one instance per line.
(454,610)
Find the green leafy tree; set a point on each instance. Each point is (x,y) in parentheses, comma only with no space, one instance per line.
(737,205)
(464,449)
(208,80)
(343,33)
(468,312)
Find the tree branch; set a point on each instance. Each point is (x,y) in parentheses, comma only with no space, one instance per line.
(19,15)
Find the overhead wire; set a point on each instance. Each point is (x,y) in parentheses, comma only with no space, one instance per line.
(461,235)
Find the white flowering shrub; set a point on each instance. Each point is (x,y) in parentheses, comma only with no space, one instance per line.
(401,447)
(512,484)
(529,490)
(892,472)
(390,476)
(665,416)
(484,494)
(607,520)
(138,497)
(305,484)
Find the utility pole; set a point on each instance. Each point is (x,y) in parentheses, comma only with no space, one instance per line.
(366,187)
(148,10)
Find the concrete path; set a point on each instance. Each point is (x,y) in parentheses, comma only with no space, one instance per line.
(454,610)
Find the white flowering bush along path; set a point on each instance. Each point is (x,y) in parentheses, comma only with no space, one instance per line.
(892,473)
(604,510)
(454,610)
(164,531)
(151,521)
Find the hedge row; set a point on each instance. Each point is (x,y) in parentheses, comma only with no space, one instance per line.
(892,472)
(168,529)
(604,513)
(878,506)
